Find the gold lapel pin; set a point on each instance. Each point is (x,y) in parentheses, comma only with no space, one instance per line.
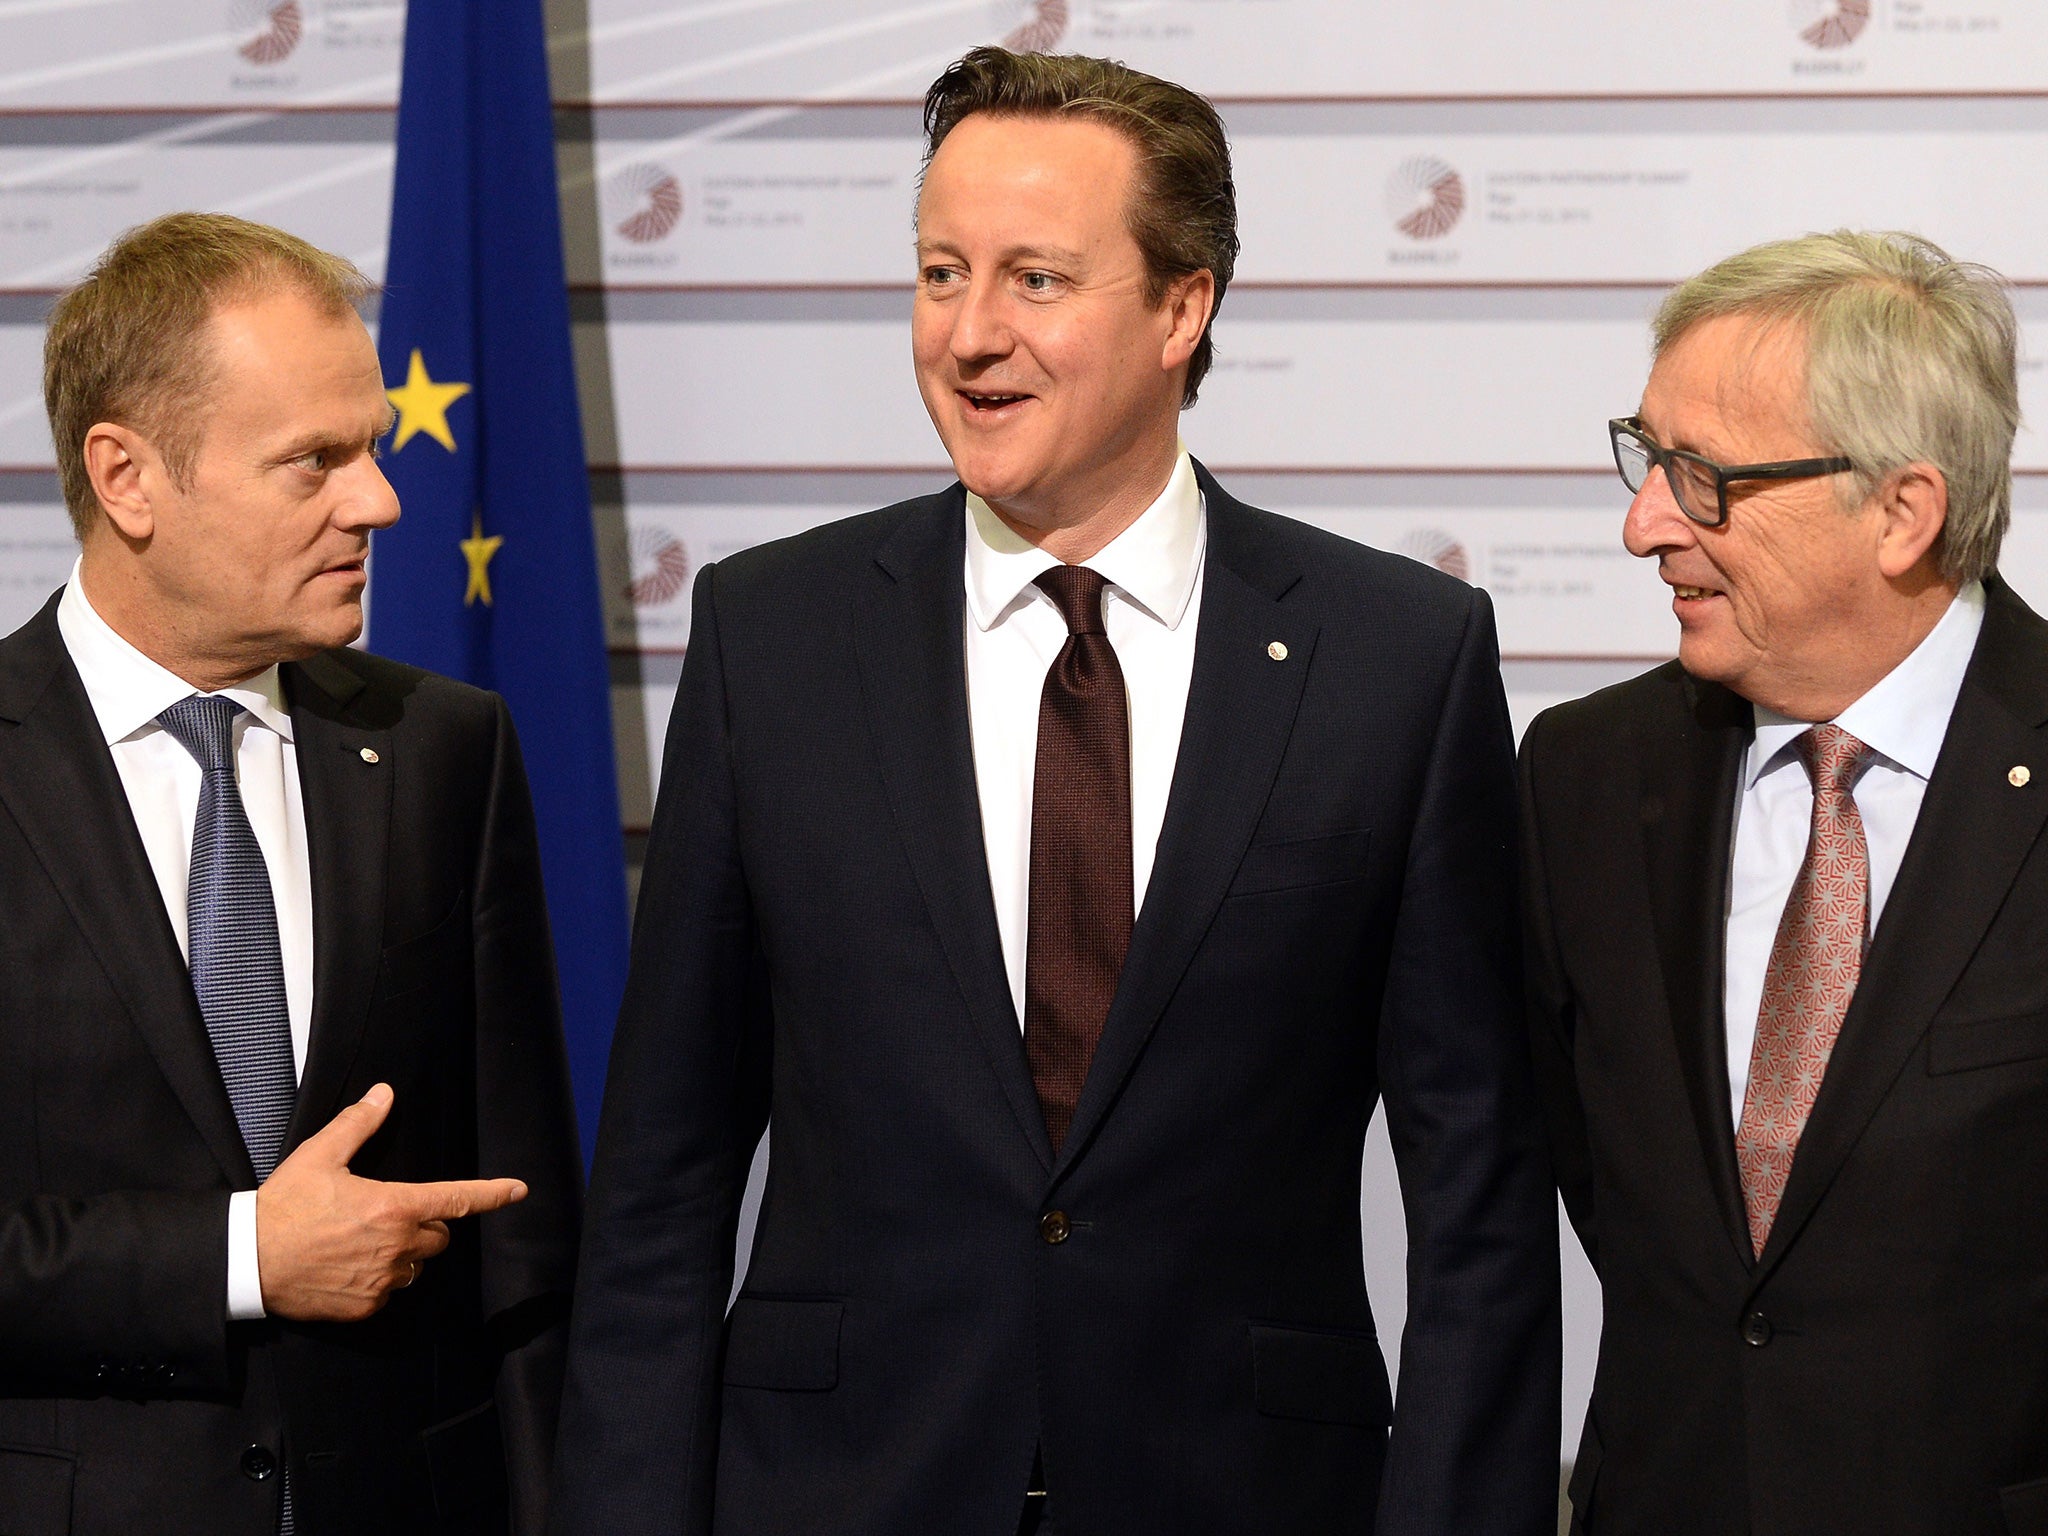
(2019,776)
(369,755)
(1277,650)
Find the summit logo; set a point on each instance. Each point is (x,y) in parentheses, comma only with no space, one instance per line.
(1036,27)
(1425,197)
(270,29)
(1830,24)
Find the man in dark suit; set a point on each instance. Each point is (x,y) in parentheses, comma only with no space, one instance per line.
(278,986)
(1787,903)
(1064,865)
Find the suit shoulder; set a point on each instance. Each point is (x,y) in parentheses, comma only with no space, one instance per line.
(1603,721)
(829,552)
(1359,571)
(378,692)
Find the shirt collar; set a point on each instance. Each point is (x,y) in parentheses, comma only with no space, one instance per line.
(1904,717)
(128,690)
(1153,562)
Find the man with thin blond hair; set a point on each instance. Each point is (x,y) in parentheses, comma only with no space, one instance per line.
(1786,901)
(278,990)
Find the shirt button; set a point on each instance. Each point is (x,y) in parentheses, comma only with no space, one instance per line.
(1054,1227)
(258,1464)
(1756,1330)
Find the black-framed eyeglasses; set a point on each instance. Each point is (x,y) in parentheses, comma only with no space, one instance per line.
(1700,486)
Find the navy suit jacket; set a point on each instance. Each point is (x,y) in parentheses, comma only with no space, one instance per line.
(1330,923)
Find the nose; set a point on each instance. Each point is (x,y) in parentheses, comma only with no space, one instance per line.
(370,502)
(980,330)
(1654,525)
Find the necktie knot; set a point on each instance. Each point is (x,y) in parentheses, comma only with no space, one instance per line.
(1832,757)
(1077,592)
(204,725)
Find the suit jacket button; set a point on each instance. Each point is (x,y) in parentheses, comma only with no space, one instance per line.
(1054,1227)
(1756,1330)
(258,1464)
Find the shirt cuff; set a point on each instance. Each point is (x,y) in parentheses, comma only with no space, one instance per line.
(245,1283)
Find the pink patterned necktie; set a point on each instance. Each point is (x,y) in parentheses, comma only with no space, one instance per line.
(1812,974)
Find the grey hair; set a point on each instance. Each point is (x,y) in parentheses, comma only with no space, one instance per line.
(1911,355)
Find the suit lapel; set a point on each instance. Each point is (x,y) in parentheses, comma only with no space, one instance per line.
(59,783)
(1240,713)
(1974,832)
(1687,803)
(910,646)
(348,819)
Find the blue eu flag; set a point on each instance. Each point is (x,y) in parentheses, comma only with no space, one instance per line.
(491,574)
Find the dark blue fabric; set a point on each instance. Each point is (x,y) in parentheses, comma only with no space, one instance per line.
(237,964)
(475,286)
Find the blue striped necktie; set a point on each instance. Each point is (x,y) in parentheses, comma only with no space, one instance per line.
(236,961)
(231,937)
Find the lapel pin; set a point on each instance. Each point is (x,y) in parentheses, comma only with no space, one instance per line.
(2019,776)
(1277,650)
(369,755)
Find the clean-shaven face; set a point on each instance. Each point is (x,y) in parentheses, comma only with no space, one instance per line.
(1043,365)
(1779,601)
(263,550)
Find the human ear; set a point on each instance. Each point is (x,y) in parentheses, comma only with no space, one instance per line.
(1913,503)
(1190,301)
(122,468)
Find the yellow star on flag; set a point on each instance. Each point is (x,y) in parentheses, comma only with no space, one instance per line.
(423,406)
(477,550)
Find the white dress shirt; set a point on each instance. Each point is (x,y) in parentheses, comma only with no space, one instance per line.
(128,691)
(1150,606)
(1903,720)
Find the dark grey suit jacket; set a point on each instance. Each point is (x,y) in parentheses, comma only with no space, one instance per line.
(1882,1368)
(127,1402)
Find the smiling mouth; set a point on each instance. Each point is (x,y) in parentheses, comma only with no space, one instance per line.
(989,401)
(1686,594)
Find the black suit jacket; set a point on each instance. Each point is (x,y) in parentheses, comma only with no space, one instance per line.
(1329,919)
(127,1402)
(1883,1367)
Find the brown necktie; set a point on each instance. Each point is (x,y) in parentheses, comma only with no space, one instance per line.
(1814,963)
(1080,924)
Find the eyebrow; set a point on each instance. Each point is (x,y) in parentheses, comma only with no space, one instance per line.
(1009,256)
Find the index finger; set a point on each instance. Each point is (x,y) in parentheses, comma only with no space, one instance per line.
(452,1198)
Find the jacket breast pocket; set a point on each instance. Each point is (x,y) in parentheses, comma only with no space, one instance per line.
(783,1346)
(1330,1378)
(1961,1046)
(414,963)
(35,1491)
(1299,863)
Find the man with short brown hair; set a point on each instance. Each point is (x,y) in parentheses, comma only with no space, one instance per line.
(1064,866)
(277,981)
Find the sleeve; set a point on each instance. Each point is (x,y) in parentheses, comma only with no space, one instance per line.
(1474,1445)
(120,1294)
(526,1129)
(686,1102)
(245,1274)
(1552,1012)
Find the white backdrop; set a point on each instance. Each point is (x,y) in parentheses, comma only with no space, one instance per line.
(1457,217)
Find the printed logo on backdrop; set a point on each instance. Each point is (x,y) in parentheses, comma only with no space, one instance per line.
(270,29)
(1425,197)
(1433,546)
(1829,24)
(644,203)
(1035,26)
(661,567)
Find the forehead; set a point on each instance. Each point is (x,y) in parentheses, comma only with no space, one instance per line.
(281,356)
(1732,381)
(999,175)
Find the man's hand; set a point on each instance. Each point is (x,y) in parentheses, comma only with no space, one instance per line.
(331,1247)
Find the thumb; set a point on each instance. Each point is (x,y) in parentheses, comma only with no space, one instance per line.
(342,1137)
